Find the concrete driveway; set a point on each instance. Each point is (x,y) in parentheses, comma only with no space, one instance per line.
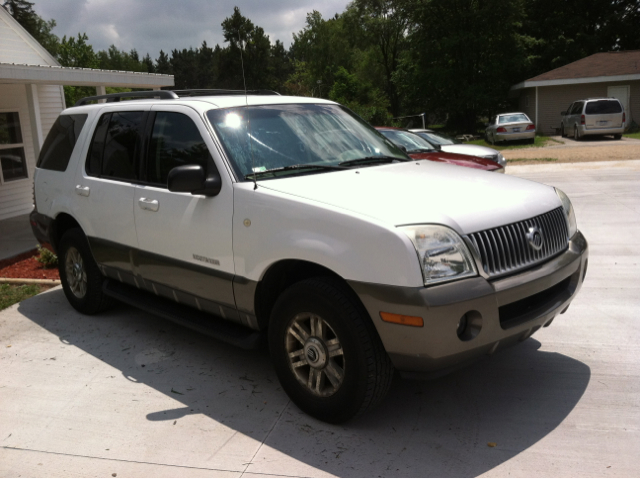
(128,394)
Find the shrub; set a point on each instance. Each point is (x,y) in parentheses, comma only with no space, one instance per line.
(46,258)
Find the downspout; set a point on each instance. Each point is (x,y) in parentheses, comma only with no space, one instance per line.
(536,108)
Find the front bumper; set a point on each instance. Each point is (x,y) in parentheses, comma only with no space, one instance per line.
(500,312)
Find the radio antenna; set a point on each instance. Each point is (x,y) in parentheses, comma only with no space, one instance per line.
(246,102)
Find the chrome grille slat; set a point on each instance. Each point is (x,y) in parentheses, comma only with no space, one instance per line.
(505,249)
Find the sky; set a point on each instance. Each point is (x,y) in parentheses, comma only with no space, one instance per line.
(153,25)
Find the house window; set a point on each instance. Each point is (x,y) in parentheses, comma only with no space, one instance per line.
(13,164)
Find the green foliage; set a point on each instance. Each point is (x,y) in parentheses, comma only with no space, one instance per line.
(365,100)
(11,294)
(46,258)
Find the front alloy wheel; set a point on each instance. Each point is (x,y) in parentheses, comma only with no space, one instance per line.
(315,354)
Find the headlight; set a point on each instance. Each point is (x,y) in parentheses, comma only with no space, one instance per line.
(501,160)
(568,212)
(443,255)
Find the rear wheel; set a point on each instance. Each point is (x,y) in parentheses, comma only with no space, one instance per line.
(326,352)
(617,137)
(576,133)
(79,274)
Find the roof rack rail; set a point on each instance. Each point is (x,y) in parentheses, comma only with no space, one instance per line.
(221,92)
(116,97)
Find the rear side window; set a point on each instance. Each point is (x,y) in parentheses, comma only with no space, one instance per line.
(603,107)
(175,141)
(115,145)
(60,142)
(577,108)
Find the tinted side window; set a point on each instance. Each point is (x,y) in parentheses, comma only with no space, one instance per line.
(577,108)
(115,145)
(60,142)
(175,141)
(603,107)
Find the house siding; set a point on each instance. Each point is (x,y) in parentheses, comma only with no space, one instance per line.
(14,47)
(554,99)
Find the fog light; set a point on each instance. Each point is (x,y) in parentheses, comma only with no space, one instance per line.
(462,326)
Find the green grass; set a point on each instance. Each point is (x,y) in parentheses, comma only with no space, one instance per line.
(513,160)
(515,145)
(13,293)
(633,135)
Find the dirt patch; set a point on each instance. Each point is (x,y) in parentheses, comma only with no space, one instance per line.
(26,266)
(601,152)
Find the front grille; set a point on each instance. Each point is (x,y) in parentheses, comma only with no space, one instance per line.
(506,249)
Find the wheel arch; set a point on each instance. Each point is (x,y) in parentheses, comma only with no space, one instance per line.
(61,224)
(284,273)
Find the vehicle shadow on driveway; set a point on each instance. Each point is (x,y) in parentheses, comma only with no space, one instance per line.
(440,428)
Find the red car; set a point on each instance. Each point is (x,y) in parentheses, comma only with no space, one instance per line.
(420,149)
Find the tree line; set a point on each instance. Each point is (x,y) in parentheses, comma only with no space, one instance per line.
(454,60)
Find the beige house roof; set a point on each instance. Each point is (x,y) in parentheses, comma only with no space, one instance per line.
(599,67)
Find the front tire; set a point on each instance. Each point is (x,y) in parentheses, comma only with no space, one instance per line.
(326,351)
(576,133)
(79,274)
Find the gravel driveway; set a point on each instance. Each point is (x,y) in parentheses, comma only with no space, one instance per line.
(566,150)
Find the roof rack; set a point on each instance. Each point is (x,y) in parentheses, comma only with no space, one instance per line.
(170,94)
(217,92)
(116,97)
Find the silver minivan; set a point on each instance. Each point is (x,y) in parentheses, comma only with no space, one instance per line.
(593,116)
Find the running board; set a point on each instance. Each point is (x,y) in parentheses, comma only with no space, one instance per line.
(220,329)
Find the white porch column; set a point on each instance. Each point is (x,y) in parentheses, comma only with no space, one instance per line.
(33,105)
(537,109)
(101,90)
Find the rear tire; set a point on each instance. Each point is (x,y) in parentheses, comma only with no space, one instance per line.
(326,351)
(576,133)
(617,137)
(79,274)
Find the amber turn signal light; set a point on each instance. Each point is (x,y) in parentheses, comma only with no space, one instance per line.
(402,319)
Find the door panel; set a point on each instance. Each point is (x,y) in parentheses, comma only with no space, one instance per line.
(185,240)
(105,186)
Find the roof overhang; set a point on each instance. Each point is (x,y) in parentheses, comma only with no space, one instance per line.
(575,81)
(55,75)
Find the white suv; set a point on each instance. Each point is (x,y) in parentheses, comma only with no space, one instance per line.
(240,215)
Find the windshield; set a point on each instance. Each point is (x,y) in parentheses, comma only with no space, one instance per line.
(437,138)
(513,118)
(412,142)
(263,138)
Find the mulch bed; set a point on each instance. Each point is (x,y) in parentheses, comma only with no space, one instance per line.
(26,266)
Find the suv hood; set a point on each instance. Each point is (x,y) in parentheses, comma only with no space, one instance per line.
(418,192)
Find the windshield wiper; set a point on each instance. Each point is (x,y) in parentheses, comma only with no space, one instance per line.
(255,174)
(370,160)
(423,150)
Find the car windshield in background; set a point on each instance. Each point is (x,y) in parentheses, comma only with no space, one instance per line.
(411,141)
(437,139)
(512,118)
(603,107)
(286,138)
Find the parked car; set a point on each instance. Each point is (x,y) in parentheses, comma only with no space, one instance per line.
(510,127)
(451,145)
(593,116)
(249,215)
(420,149)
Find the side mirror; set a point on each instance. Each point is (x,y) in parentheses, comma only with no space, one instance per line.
(192,179)
(437,147)
(563,113)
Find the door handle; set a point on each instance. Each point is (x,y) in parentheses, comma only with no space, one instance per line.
(82,190)
(148,204)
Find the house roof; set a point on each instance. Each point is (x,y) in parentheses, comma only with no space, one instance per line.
(56,75)
(599,67)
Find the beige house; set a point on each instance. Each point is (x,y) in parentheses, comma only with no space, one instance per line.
(611,74)
(31,97)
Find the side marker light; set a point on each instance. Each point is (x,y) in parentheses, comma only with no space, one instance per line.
(402,319)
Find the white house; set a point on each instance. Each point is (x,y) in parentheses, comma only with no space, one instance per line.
(31,97)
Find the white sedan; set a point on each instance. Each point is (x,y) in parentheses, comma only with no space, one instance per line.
(510,126)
